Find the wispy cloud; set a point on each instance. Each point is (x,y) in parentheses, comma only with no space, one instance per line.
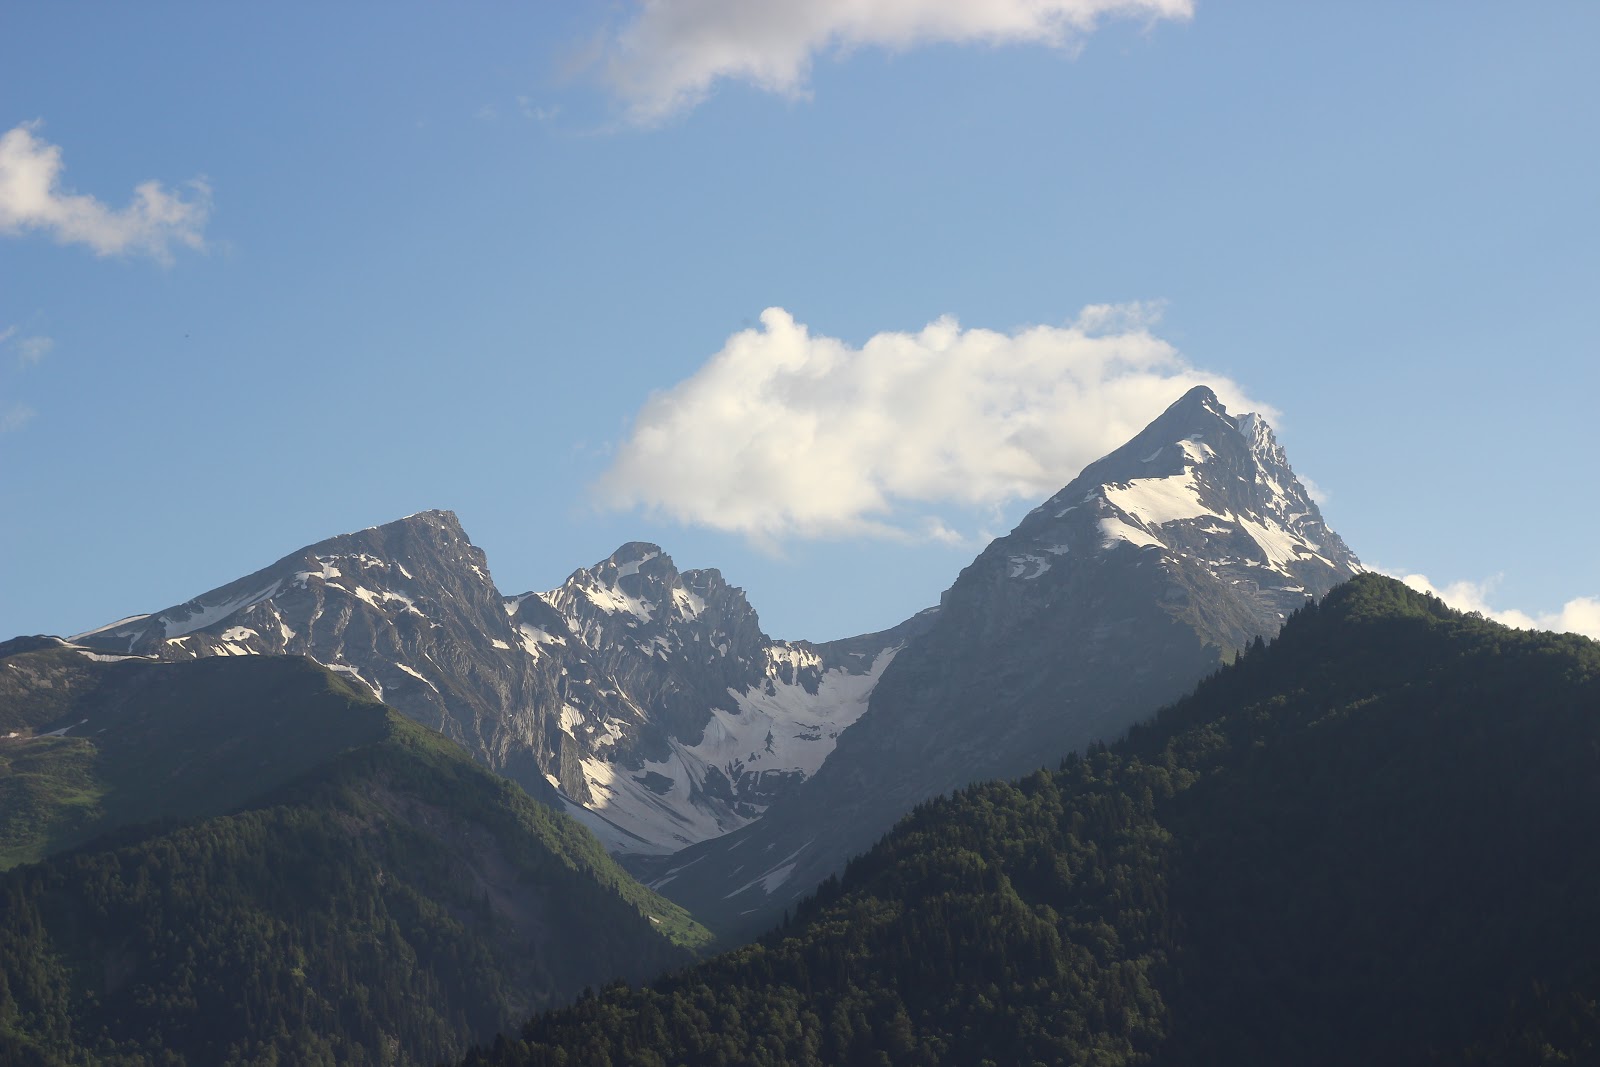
(671,54)
(16,417)
(1580,615)
(536,112)
(33,200)
(785,434)
(30,350)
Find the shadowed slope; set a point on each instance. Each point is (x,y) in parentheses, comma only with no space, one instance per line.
(1362,844)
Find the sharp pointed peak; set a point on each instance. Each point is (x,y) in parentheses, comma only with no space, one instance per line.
(1202,395)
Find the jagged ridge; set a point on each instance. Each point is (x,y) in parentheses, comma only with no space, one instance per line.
(646,701)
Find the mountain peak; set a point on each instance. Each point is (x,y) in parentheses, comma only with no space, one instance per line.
(630,565)
(640,584)
(637,550)
(432,519)
(1198,487)
(1202,396)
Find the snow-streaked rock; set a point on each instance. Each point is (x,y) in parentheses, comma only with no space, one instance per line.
(723,719)
(647,701)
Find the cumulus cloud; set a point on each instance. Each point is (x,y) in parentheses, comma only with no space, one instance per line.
(32,199)
(672,52)
(786,434)
(1577,616)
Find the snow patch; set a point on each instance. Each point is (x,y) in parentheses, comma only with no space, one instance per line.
(625,569)
(1196,450)
(1155,501)
(786,730)
(613,601)
(1113,530)
(571,719)
(110,626)
(344,668)
(101,657)
(204,615)
(382,598)
(534,636)
(418,676)
(1028,566)
(689,605)
(1279,545)
(775,876)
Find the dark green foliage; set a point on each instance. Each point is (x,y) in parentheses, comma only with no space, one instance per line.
(1370,842)
(389,906)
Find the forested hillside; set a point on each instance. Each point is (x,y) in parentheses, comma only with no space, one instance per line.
(389,906)
(1366,843)
(87,745)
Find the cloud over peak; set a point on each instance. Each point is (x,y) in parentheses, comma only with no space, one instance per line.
(31,198)
(788,434)
(674,51)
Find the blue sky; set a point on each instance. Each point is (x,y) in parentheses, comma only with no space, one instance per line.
(413,256)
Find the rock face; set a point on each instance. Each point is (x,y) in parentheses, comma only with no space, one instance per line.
(647,702)
(717,720)
(1110,599)
(409,609)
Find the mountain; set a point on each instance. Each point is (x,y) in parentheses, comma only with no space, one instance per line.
(718,719)
(1149,570)
(408,609)
(1364,843)
(326,880)
(645,701)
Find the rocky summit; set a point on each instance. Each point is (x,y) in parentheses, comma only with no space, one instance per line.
(645,701)
(1143,575)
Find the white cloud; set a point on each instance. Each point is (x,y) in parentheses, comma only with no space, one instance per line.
(1580,615)
(672,52)
(15,418)
(31,198)
(31,350)
(787,434)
